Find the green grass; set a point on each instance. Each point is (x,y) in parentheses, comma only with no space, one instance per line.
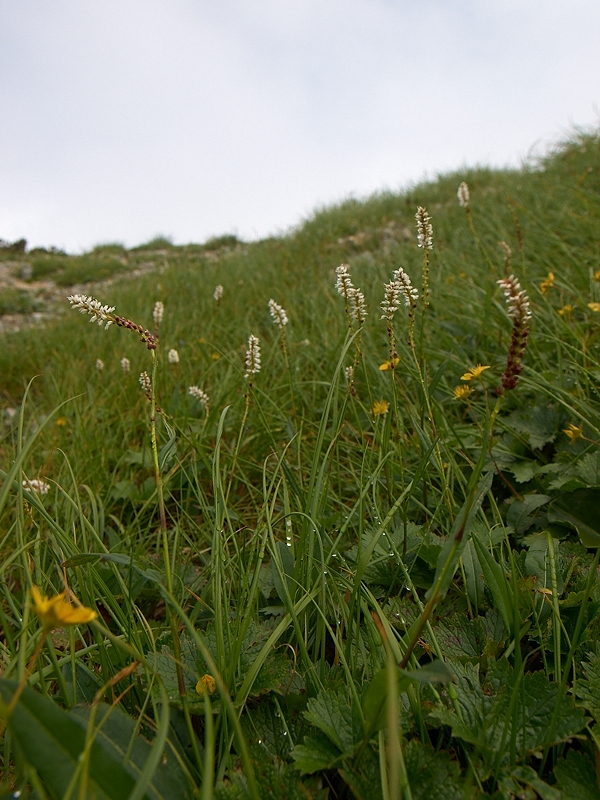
(310,546)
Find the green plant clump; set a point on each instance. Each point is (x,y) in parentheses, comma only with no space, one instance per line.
(316,517)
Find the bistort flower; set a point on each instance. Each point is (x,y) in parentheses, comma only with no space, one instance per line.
(158,312)
(36,485)
(463,195)
(99,313)
(125,365)
(173,356)
(424,229)
(197,393)
(252,361)
(278,314)
(218,293)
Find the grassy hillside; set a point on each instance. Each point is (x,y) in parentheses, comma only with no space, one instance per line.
(319,584)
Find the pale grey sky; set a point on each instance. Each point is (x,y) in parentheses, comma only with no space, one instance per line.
(122,119)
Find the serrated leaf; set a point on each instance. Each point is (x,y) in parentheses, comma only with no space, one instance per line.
(317,753)
(588,468)
(530,778)
(588,688)
(486,721)
(521,513)
(363,776)
(540,424)
(431,774)
(581,509)
(331,712)
(576,777)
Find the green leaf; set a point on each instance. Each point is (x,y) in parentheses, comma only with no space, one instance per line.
(315,754)
(540,424)
(431,774)
(169,450)
(363,776)
(529,777)
(576,777)
(473,575)
(51,740)
(331,712)
(588,468)
(486,721)
(496,582)
(582,510)
(521,514)
(464,520)
(588,688)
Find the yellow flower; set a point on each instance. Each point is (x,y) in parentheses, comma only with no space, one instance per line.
(56,612)
(475,372)
(565,310)
(597,275)
(574,432)
(594,306)
(389,364)
(215,356)
(61,422)
(462,392)
(380,407)
(206,684)
(548,283)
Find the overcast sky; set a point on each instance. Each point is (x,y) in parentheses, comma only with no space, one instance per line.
(123,119)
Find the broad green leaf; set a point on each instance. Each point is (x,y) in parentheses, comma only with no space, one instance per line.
(430,774)
(588,468)
(529,777)
(363,775)
(486,721)
(582,510)
(540,424)
(473,575)
(463,522)
(317,753)
(331,712)
(496,582)
(276,780)
(521,513)
(576,777)
(51,740)
(588,688)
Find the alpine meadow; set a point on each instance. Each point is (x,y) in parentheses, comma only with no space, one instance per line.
(316,516)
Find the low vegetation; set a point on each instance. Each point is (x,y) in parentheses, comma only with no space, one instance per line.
(280,528)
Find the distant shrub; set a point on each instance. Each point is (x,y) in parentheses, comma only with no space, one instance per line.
(158,243)
(109,249)
(217,242)
(85,269)
(15,301)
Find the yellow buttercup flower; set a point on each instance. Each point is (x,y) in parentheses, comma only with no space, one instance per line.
(475,372)
(565,310)
(61,422)
(548,283)
(462,392)
(56,612)
(597,275)
(206,684)
(574,432)
(594,306)
(389,364)
(215,356)
(380,407)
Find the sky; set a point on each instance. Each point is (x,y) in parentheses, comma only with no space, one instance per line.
(126,119)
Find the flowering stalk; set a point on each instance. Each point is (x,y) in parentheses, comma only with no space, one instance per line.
(104,315)
(280,318)
(389,306)
(354,301)
(519,310)
(157,315)
(425,241)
